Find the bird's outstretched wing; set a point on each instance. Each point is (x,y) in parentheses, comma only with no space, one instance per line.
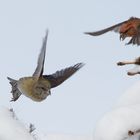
(114,28)
(41,59)
(60,76)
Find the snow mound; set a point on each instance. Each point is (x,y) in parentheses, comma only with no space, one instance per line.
(130,97)
(123,122)
(65,137)
(11,128)
(116,124)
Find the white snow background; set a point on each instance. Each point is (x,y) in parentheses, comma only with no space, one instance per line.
(13,129)
(124,117)
(114,125)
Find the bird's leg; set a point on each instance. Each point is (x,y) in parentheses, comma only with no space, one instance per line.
(132,73)
(122,36)
(137,131)
(130,133)
(125,63)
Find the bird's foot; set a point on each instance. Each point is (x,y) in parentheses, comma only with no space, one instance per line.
(120,63)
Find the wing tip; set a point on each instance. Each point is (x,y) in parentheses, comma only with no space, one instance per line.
(88,33)
(79,65)
(47,31)
(96,33)
(46,35)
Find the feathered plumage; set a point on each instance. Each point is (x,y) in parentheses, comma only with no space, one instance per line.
(129,28)
(38,86)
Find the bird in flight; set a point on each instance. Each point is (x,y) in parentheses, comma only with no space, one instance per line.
(129,28)
(37,87)
(135,70)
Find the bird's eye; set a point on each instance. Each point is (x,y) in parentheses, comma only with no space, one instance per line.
(40,87)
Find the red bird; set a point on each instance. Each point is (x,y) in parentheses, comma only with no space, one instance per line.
(128,28)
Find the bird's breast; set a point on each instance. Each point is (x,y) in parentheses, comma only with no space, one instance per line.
(130,28)
(36,89)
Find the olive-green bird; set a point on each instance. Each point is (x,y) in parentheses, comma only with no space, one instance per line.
(37,87)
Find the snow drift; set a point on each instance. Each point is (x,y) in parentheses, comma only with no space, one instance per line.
(11,128)
(123,119)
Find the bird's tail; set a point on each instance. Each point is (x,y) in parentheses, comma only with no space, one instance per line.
(134,40)
(15,91)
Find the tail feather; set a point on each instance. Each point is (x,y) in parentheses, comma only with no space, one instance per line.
(135,40)
(15,91)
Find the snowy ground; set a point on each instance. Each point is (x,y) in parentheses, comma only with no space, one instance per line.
(12,129)
(123,119)
(121,123)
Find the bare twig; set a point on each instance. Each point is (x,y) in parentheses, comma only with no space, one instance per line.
(31,128)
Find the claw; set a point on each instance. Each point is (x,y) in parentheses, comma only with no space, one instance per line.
(120,64)
(122,36)
(130,133)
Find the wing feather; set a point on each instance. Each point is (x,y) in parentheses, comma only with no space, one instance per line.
(114,28)
(41,59)
(60,76)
